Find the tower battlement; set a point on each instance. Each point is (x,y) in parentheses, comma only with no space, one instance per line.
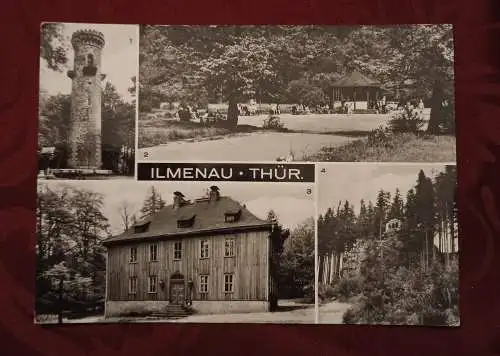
(89,37)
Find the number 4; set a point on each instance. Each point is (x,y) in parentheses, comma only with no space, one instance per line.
(323,170)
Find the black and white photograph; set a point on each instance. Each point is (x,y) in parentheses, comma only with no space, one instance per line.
(296,93)
(388,244)
(87,101)
(229,252)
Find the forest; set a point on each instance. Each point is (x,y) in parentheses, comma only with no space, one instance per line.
(71,261)
(404,276)
(292,64)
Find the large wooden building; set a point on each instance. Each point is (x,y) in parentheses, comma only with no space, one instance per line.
(212,255)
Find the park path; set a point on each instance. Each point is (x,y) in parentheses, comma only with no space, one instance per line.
(310,133)
(332,312)
(257,146)
(292,312)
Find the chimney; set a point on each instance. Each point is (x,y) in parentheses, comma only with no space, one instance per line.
(178,200)
(214,193)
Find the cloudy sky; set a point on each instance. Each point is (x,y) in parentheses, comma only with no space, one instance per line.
(289,201)
(354,182)
(119,59)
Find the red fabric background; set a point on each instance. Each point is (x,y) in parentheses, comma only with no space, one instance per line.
(478,98)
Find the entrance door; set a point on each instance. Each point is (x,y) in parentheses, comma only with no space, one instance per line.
(177,293)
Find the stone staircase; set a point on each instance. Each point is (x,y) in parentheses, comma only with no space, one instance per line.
(173,311)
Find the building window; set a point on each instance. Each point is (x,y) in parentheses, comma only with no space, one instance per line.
(232,216)
(132,285)
(204,249)
(178,250)
(133,255)
(228,283)
(229,248)
(90,60)
(152,284)
(203,287)
(153,252)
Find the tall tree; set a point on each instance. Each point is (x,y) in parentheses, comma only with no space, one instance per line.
(70,256)
(424,205)
(54,120)
(118,119)
(417,59)
(152,204)
(53,46)
(297,260)
(126,214)
(381,211)
(397,206)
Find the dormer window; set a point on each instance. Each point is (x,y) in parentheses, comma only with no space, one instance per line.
(185,222)
(141,228)
(230,216)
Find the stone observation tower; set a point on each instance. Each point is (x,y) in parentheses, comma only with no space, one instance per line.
(85,124)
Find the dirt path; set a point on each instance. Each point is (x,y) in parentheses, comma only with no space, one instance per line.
(259,146)
(332,312)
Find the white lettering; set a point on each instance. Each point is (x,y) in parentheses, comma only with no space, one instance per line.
(213,173)
(158,175)
(188,173)
(254,172)
(177,173)
(200,173)
(229,175)
(294,172)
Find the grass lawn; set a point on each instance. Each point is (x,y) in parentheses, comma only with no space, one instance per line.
(402,147)
(154,132)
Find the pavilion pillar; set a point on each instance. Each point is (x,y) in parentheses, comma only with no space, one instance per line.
(354,97)
(368,98)
(332,104)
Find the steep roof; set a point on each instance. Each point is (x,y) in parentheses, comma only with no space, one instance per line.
(355,79)
(209,217)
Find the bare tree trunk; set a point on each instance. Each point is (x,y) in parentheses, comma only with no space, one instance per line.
(60,314)
(232,113)
(426,249)
(452,231)
(436,115)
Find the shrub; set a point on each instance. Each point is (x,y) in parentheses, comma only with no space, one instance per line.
(326,292)
(380,137)
(448,121)
(393,294)
(273,122)
(408,120)
(350,316)
(347,287)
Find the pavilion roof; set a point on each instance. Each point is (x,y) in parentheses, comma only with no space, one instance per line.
(355,79)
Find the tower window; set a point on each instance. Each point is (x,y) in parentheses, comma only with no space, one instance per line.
(90,68)
(90,60)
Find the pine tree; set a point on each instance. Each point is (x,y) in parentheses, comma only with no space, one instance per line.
(397,206)
(381,211)
(152,204)
(424,199)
